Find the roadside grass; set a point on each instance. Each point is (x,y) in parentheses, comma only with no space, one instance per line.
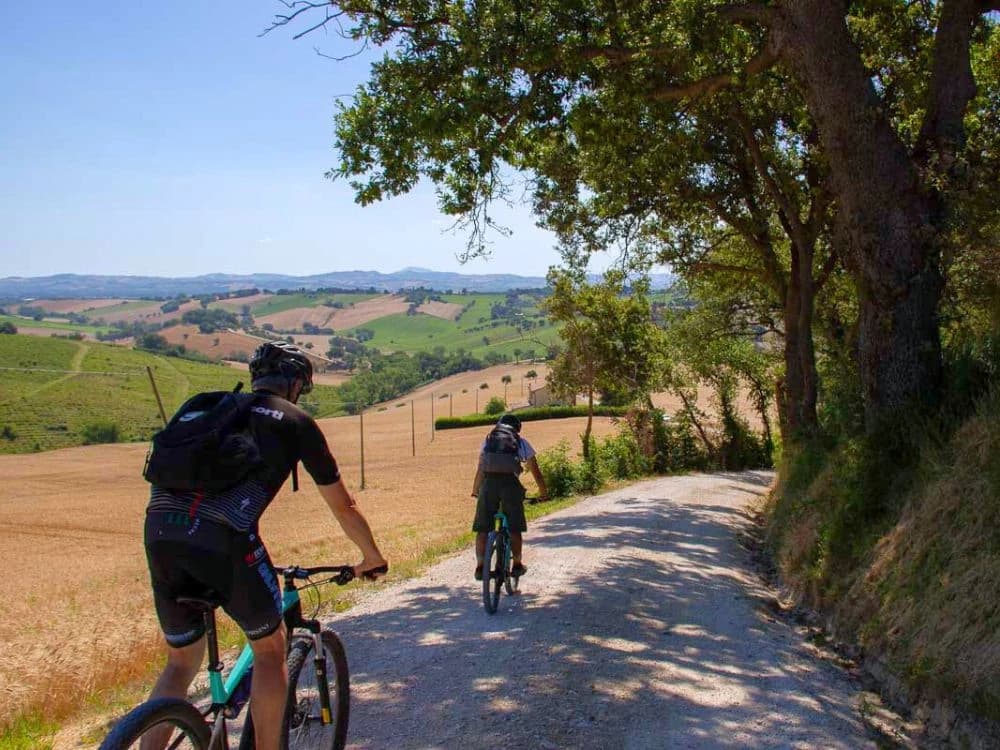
(913,573)
(113,693)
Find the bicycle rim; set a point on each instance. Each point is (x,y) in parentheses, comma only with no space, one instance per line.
(174,720)
(305,725)
(492,572)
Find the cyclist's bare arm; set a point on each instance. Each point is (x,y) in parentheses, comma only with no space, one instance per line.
(354,524)
(476,482)
(536,472)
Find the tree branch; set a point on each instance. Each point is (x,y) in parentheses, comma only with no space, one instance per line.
(708,86)
(798,231)
(755,13)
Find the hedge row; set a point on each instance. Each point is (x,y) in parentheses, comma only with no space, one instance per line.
(528,415)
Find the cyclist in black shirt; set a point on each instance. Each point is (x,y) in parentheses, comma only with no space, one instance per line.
(198,542)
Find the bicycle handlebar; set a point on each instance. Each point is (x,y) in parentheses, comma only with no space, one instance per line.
(343,574)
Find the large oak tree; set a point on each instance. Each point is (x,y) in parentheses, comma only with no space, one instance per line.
(467,87)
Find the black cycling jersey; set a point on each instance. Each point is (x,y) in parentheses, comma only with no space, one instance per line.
(285,434)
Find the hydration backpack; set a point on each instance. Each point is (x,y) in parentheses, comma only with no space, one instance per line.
(500,451)
(206,445)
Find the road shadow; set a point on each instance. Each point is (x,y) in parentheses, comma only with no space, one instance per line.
(666,643)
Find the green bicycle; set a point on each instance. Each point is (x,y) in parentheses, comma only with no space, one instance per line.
(318,702)
(497,564)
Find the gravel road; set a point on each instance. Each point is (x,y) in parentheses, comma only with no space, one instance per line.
(641,624)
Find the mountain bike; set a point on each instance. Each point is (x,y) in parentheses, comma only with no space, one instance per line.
(497,564)
(318,700)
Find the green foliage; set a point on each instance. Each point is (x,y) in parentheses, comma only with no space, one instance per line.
(210,321)
(528,415)
(558,470)
(7,327)
(621,458)
(495,406)
(96,433)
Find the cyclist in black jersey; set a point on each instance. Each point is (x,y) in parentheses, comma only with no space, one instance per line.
(209,542)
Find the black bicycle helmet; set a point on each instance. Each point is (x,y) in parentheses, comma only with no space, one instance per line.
(284,359)
(510,419)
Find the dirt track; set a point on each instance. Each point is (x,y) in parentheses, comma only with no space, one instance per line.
(640,626)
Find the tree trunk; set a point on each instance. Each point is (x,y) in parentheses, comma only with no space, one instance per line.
(798,403)
(893,252)
(590,423)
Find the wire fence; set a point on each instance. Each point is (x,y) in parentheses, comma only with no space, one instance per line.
(44,409)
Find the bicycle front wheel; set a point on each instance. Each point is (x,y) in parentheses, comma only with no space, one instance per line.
(493,571)
(306,723)
(173,722)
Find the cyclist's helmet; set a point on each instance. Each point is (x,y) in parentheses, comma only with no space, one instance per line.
(510,419)
(284,359)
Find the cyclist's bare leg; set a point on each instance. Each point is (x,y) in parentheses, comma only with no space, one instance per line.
(480,547)
(182,666)
(267,691)
(515,545)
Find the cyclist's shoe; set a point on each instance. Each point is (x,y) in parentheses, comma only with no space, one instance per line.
(479,572)
(518,569)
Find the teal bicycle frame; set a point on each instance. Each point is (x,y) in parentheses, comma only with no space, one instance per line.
(229,695)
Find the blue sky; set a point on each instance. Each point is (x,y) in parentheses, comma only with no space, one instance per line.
(170,139)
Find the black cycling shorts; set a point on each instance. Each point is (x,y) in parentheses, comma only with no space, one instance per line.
(204,559)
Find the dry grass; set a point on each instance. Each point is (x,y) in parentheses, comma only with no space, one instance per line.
(218,345)
(929,598)
(445,310)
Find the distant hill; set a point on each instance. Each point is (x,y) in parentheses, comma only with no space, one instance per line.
(93,286)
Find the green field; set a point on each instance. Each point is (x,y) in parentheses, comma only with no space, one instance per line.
(128,306)
(52,390)
(61,325)
(282,302)
(415,333)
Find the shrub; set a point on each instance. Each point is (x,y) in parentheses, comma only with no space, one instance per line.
(96,433)
(495,406)
(7,433)
(558,470)
(589,472)
(620,457)
(8,327)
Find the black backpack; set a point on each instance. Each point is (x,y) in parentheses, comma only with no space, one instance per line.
(500,451)
(206,445)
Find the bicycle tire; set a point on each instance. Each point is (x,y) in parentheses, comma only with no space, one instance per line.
(154,714)
(510,583)
(304,695)
(303,727)
(493,574)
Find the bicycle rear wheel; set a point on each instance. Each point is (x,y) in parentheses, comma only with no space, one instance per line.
(176,720)
(493,571)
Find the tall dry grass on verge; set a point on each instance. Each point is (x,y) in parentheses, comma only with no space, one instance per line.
(930,599)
